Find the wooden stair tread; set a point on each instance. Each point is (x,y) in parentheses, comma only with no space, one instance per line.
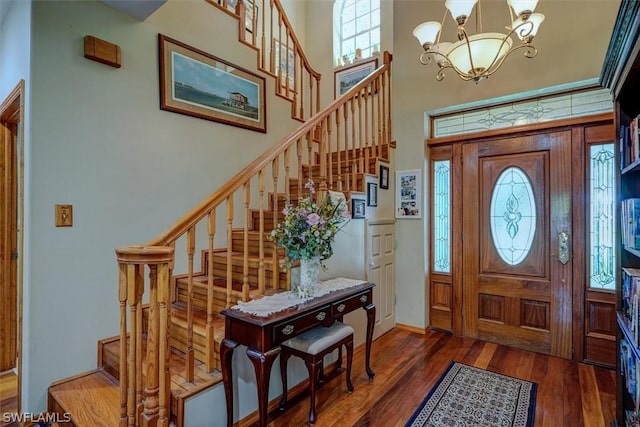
(235,255)
(180,387)
(92,399)
(218,282)
(254,234)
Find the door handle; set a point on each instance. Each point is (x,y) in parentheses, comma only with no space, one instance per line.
(563,247)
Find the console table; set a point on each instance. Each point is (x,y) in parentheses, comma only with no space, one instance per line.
(263,335)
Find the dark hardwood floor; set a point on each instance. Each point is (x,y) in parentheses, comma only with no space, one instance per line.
(8,396)
(407,365)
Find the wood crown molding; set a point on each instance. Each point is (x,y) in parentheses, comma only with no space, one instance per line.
(624,41)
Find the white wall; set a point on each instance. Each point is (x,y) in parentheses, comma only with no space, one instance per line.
(15,44)
(101,143)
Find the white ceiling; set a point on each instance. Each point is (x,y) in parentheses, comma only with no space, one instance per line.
(139,9)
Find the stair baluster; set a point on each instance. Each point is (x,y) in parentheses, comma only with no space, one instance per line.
(209,344)
(189,356)
(144,404)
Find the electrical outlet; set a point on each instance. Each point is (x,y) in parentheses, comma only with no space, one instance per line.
(64,215)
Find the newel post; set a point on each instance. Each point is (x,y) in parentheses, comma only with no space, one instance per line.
(144,404)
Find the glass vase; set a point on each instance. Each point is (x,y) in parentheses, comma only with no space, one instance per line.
(309,272)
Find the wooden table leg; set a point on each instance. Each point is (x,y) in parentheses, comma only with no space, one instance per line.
(262,363)
(226,355)
(371,320)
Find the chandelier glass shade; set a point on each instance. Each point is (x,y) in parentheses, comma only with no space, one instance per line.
(477,56)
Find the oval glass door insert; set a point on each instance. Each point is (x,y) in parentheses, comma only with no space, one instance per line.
(513,215)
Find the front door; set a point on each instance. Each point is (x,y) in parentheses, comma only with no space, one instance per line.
(516,241)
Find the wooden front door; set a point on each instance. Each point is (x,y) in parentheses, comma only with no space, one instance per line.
(516,214)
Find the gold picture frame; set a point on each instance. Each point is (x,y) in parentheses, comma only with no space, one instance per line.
(196,83)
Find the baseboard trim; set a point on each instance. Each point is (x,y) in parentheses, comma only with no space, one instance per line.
(411,328)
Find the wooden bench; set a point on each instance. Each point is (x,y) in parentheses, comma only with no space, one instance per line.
(311,347)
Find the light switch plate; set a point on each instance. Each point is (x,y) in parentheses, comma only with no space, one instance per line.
(64,215)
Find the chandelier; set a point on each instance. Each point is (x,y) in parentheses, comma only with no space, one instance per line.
(477,56)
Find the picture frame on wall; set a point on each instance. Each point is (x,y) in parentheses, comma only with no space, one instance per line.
(384,177)
(358,208)
(372,194)
(250,15)
(251,11)
(198,84)
(287,65)
(409,194)
(347,77)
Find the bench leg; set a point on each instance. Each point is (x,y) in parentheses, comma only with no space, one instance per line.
(339,361)
(312,367)
(349,346)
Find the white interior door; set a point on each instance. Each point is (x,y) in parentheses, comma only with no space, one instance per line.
(380,270)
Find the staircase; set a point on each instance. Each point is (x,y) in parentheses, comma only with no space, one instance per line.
(218,254)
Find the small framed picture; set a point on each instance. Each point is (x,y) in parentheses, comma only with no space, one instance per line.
(408,194)
(384,177)
(372,194)
(358,208)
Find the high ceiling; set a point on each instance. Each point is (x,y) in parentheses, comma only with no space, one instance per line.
(140,10)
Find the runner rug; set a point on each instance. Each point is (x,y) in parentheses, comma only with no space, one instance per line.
(469,396)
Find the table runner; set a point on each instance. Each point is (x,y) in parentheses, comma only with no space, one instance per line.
(268,305)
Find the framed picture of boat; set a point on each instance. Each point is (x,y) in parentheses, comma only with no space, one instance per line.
(198,84)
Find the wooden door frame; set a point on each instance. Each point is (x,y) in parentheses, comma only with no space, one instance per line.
(578,153)
(12,113)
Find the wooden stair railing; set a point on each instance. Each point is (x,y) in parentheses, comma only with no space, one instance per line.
(230,229)
(264,26)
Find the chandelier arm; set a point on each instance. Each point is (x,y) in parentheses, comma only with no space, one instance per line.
(448,64)
(443,66)
(496,60)
(529,53)
(425,58)
(522,30)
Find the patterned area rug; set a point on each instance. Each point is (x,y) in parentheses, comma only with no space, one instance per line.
(468,396)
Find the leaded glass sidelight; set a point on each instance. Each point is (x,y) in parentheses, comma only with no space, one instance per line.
(513,215)
(602,218)
(442,216)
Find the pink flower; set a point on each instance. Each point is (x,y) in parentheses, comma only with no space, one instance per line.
(313,219)
(310,186)
(285,210)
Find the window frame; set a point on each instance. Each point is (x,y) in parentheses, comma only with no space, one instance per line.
(339,24)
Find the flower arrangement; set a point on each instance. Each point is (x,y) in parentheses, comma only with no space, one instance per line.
(308,229)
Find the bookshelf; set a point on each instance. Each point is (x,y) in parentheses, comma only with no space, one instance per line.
(621,74)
